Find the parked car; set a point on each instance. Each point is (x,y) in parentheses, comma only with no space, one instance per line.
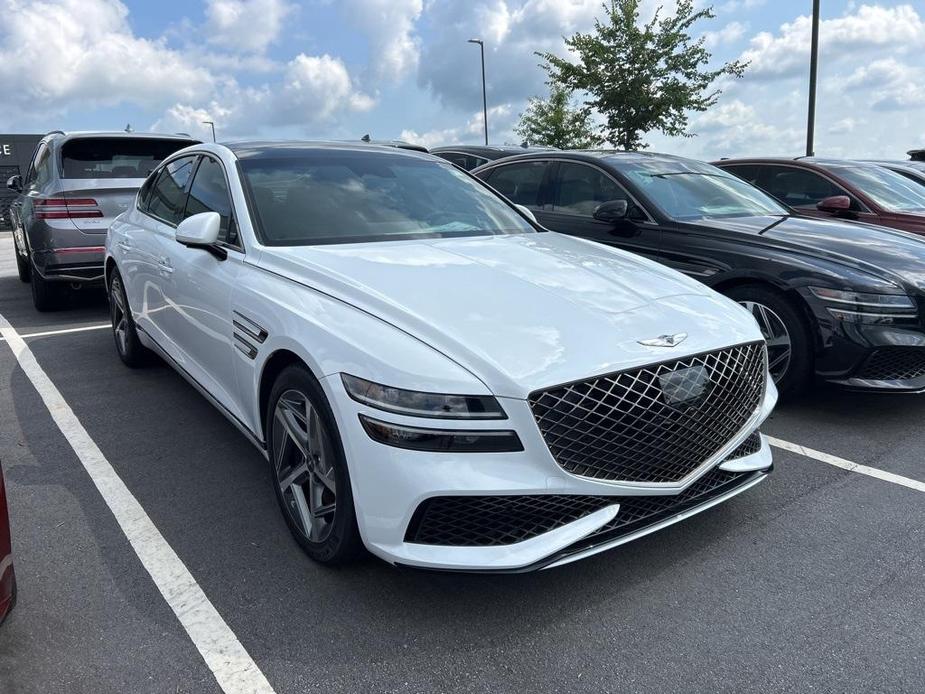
(916,154)
(468,157)
(427,372)
(7,575)
(843,301)
(837,188)
(913,170)
(75,186)
(401,144)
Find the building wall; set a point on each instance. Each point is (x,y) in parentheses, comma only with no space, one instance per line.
(15,155)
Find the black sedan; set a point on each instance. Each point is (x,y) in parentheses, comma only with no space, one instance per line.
(468,157)
(842,300)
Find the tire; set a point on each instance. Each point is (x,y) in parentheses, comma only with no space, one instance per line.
(774,312)
(46,296)
(129,348)
(309,473)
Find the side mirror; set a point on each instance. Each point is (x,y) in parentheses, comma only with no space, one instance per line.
(614,211)
(201,231)
(834,204)
(527,212)
(14,183)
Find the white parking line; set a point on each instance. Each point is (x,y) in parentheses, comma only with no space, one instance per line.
(232,666)
(847,464)
(64,331)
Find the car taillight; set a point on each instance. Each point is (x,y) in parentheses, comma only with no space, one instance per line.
(66,208)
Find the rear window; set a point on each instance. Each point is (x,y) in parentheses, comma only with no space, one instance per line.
(116,157)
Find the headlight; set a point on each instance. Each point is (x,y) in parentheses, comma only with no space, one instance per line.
(441,440)
(862,307)
(417,404)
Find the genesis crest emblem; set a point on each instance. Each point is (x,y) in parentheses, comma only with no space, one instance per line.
(665,340)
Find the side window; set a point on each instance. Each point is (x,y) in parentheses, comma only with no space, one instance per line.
(209,193)
(40,172)
(454,158)
(747,172)
(580,189)
(520,183)
(144,193)
(797,187)
(167,199)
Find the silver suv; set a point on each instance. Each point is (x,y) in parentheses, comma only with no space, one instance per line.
(77,183)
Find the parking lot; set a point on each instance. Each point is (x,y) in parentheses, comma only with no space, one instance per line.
(810,581)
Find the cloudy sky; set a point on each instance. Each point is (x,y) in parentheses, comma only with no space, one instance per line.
(342,68)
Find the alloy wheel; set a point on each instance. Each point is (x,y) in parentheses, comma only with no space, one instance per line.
(118,314)
(776,335)
(304,464)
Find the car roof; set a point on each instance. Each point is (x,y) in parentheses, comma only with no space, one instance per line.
(257,149)
(908,165)
(491,149)
(824,162)
(61,136)
(611,156)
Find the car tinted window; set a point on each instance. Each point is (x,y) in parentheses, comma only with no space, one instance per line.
(581,189)
(915,177)
(334,196)
(168,194)
(116,157)
(520,183)
(797,187)
(747,172)
(209,193)
(887,188)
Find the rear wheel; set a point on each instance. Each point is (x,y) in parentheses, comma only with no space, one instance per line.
(308,469)
(790,344)
(129,347)
(46,296)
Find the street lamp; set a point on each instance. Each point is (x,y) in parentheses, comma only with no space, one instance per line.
(210,123)
(813,64)
(484,95)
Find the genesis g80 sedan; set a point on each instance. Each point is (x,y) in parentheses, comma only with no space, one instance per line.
(429,373)
(841,301)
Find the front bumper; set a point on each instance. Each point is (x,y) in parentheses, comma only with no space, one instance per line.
(390,484)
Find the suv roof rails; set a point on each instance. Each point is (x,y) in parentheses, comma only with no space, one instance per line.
(183,134)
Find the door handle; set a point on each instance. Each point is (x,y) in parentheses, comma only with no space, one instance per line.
(165,265)
(125,245)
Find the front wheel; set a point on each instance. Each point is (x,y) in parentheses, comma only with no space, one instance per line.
(309,470)
(790,344)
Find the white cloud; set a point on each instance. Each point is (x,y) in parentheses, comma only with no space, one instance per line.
(245,26)
(892,85)
(730,33)
(499,124)
(389,26)
(57,55)
(313,92)
(868,27)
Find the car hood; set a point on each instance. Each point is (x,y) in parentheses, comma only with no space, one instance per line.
(524,311)
(886,253)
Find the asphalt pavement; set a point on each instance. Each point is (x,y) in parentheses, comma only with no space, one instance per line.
(811,581)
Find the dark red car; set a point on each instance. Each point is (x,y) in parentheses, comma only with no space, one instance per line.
(845,189)
(7,577)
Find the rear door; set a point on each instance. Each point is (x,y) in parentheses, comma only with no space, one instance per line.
(523,183)
(148,275)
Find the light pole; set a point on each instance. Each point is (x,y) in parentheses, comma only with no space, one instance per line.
(484,94)
(210,123)
(813,64)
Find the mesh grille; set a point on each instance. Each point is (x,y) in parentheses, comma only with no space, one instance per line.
(655,424)
(894,364)
(749,446)
(468,521)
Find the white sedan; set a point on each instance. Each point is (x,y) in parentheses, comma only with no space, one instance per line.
(428,372)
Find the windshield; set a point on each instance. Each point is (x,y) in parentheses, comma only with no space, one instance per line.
(325,197)
(890,190)
(701,191)
(116,157)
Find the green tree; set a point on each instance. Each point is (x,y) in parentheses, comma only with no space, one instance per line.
(555,122)
(641,77)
